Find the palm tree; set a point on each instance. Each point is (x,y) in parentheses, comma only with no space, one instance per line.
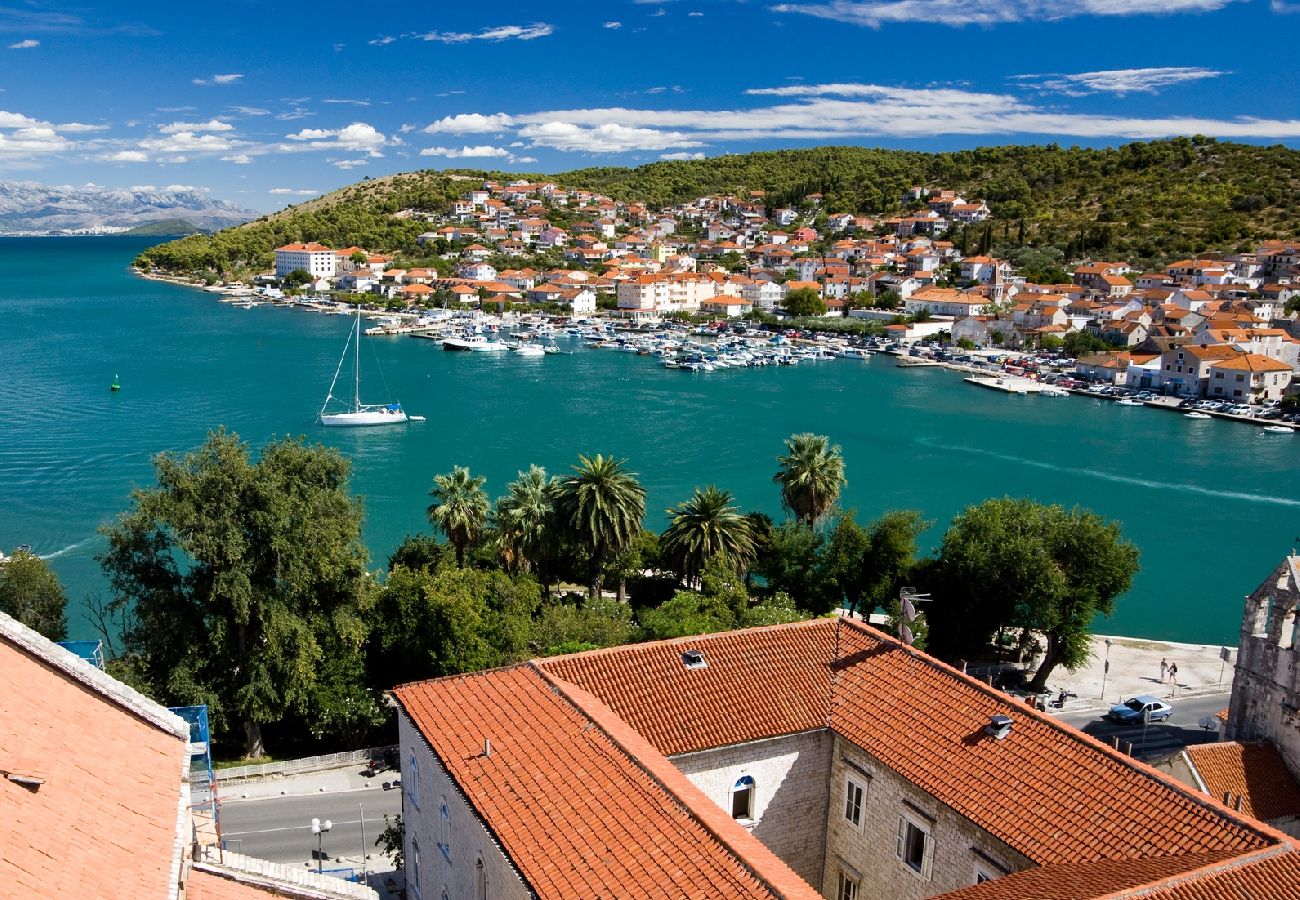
(524,518)
(459,508)
(601,506)
(811,475)
(706,526)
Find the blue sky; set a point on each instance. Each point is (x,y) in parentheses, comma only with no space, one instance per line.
(265,103)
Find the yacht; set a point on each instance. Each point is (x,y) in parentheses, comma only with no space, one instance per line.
(474,342)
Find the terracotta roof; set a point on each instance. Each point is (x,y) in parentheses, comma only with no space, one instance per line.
(204,885)
(1253,362)
(1255,772)
(571,836)
(105,822)
(780,672)
(1095,878)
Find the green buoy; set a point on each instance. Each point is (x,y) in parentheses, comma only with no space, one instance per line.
(116,385)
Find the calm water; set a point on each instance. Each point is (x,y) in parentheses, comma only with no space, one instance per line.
(1212,505)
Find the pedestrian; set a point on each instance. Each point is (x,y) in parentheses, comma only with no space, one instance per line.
(1164,670)
(1173,673)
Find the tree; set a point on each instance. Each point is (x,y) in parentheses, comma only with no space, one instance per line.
(459,508)
(804,302)
(238,574)
(890,557)
(840,563)
(32,594)
(889,299)
(297,278)
(393,839)
(788,563)
(1021,564)
(358,257)
(810,476)
(524,519)
(600,507)
(705,527)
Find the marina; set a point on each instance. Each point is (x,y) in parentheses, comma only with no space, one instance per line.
(913,438)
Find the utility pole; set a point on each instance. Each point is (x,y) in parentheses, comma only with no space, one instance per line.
(363,842)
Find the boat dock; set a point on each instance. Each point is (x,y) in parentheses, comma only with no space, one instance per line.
(1010,384)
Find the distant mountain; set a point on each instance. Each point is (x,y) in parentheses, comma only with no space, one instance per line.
(30,208)
(164,228)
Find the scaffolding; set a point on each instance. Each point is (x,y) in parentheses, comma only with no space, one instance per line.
(205,804)
(91,651)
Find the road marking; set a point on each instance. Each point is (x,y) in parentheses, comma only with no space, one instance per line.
(293,828)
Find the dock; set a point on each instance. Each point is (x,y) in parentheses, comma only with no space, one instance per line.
(1010,384)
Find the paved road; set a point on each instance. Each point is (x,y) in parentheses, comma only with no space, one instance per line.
(1160,739)
(279,829)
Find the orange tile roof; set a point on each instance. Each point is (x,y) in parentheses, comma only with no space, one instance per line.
(105,823)
(1255,772)
(204,885)
(1253,362)
(780,671)
(571,836)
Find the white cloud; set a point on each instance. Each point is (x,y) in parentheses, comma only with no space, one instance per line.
(681,155)
(133,156)
(843,111)
(1119,81)
(218,79)
(210,125)
(22,137)
(27,44)
(524,159)
(349,163)
(874,13)
(483,150)
(695,15)
(612,25)
(358,137)
(189,142)
(348,102)
(76,127)
(185,189)
(249,110)
(293,192)
(470,123)
(381,41)
(500,33)
(143,188)
(239,159)
(607,137)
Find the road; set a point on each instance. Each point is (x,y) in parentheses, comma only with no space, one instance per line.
(1160,739)
(279,829)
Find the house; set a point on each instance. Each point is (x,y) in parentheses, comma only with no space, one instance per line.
(945,302)
(1250,776)
(1185,370)
(983,268)
(315,259)
(476,271)
(1110,368)
(727,307)
(815,759)
(96,798)
(1248,378)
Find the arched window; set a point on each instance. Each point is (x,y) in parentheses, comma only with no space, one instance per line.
(742,798)
(480,880)
(444,829)
(415,866)
(413,781)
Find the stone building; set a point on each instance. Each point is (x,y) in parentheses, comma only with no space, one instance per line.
(817,759)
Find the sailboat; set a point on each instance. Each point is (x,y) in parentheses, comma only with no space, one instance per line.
(360,414)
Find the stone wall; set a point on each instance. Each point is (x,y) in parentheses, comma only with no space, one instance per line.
(958,849)
(790,792)
(455,872)
(1266,689)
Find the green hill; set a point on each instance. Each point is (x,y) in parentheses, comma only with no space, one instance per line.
(164,228)
(1144,201)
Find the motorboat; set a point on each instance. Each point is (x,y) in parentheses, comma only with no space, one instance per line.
(474,343)
(1279,429)
(528,350)
(1195,414)
(1127,401)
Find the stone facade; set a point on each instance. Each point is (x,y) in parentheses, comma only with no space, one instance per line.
(1266,688)
(789,807)
(458,861)
(956,853)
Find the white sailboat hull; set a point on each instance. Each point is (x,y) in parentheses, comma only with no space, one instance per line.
(365,417)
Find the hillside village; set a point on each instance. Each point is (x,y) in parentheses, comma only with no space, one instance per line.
(1222,321)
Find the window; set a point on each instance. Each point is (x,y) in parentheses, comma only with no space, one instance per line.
(480,880)
(985,872)
(415,866)
(848,889)
(915,846)
(413,781)
(444,829)
(742,798)
(855,793)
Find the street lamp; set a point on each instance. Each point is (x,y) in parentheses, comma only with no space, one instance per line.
(1105,670)
(319,828)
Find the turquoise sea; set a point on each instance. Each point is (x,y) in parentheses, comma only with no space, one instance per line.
(1212,505)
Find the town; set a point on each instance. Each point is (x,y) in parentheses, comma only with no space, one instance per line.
(1220,328)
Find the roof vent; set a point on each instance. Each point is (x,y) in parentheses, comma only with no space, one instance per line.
(694,659)
(998,727)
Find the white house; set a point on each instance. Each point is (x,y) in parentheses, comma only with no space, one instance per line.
(315,259)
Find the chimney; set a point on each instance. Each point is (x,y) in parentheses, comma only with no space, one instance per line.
(999,727)
(487,746)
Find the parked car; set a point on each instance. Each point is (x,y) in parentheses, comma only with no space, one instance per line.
(1144,395)
(1135,708)
(1187,404)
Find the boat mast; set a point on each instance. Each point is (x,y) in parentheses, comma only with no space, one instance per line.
(356,368)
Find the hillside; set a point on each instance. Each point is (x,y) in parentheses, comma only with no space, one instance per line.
(1143,201)
(163,228)
(30,208)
